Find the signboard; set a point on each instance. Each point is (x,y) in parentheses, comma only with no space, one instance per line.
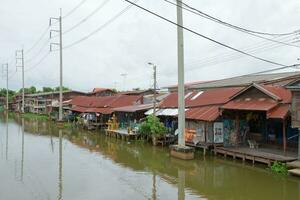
(218,132)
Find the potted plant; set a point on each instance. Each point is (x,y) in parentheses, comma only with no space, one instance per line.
(152,128)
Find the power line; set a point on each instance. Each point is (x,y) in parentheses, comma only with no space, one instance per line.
(45,44)
(234,26)
(38,41)
(47,28)
(87,17)
(74,9)
(205,37)
(38,63)
(111,20)
(213,60)
(247,31)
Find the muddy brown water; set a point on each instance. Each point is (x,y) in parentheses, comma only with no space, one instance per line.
(42,163)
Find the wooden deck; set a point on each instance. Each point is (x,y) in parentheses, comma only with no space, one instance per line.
(261,155)
(122,134)
(204,146)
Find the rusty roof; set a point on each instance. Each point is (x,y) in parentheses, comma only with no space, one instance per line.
(201,98)
(134,108)
(262,104)
(279,112)
(97,90)
(205,113)
(93,103)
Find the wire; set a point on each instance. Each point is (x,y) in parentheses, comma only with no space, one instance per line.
(87,17)
(249,32)
(101,27)
(38,41)
(249,49)
(38,63)
(74,9)
(209,61)
(231,25)
(205,37)
(39,52)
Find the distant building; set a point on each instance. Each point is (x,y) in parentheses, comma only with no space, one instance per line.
(101,92)
(43,103)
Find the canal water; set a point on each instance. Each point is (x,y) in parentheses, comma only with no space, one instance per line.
(38,162)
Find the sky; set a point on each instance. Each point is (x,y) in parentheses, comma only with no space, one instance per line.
(131,41)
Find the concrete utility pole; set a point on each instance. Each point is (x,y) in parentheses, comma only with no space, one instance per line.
(59,19)
(154,86)
(124,80)
(6,72)
(181,103)
(20,56)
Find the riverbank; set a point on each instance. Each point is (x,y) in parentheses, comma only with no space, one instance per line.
(94,163)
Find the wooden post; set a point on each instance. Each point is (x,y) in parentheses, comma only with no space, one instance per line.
(284,135)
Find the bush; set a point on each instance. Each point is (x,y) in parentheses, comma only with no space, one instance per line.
(152,127)
(279,168)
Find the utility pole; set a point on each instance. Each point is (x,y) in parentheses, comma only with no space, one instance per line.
(6,72)
(154,86)
(181,103)
(59,19)
(124,75)
(20,56)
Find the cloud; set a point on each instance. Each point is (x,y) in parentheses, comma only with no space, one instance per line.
(136,38)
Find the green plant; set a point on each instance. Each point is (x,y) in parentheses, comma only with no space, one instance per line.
(279,168)
(152,127)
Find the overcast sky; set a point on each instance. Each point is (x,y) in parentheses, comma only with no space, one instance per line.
(136,38)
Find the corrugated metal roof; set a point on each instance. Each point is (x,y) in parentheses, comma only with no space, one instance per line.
(279,112)
(134,108)
(199,98)
(164,112)
(251,104)
(103,105)
(107,101)
(243,80)
(205,113)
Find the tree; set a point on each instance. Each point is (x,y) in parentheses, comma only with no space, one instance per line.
(47,89)
(152,127)
(63,88)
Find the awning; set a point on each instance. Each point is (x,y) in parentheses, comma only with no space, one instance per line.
(91,110)
(99,110)
(280,112)
(205,113)
(164,112)
(251,104)
(78,109)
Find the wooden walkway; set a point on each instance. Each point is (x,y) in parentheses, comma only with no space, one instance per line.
(122,134)
(261,155)
(204,146)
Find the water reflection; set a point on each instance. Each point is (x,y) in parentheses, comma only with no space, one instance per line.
(22,157)
(6,152)
(88,162)
(60,168)
(181,184)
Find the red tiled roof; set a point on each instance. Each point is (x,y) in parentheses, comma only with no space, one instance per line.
(194,99)
(280,112)
(205,113)
(251,104)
